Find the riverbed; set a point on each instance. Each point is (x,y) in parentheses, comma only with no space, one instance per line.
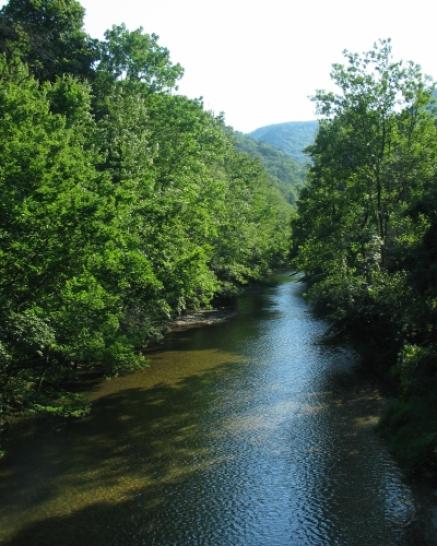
(250,432)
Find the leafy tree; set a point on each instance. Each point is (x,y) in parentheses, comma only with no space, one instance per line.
(48,196)
(367,156)
(137,56)
(363,232)
(243,251)
(48,35)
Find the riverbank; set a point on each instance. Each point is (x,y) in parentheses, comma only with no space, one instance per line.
(199,319)
(408,423)
(394,353)
(87,379)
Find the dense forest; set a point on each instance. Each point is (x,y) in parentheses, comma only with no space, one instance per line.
(122,203)
(366,235)
(291,137)
(288,174)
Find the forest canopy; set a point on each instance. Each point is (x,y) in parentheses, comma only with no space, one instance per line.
(122,203)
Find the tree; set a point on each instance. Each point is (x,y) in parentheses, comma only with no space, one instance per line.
(365,234)
(48,35)
(135,56)
(367,157)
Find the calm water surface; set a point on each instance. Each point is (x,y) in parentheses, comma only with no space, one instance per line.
(248,433)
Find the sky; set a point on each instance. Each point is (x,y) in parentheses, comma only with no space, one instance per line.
(258,61)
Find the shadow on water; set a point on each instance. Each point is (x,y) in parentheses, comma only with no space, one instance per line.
(135,449)
(143,456)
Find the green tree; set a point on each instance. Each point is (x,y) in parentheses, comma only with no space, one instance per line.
(368,159)
(48,35)
(137,57)
(365,232)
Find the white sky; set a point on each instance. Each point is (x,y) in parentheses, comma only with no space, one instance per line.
(257,60)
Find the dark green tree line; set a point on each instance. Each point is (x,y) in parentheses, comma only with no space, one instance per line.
(365,235)
(122,204)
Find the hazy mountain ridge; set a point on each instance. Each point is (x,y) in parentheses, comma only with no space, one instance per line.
(287,173)
(290,137)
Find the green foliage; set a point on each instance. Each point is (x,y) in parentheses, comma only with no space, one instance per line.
(366,230)
(48,35)
(410,426)
(60,404)
(292,138)
(122,204)
(286,173)
(137,57)
(243,253)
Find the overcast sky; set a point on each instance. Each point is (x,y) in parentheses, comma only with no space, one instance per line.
(258,61)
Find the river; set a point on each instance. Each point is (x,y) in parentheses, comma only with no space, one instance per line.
(247,433)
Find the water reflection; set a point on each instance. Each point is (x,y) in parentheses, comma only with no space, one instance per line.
(246,433)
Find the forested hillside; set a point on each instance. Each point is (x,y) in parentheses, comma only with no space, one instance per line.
(292,137)
(122,204)
(366,236)
(288,174)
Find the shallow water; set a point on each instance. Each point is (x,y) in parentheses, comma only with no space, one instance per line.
(249,433)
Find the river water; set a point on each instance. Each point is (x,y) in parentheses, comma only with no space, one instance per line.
(247,433)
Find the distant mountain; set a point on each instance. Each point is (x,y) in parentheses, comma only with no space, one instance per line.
(287,174)
(291,137)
